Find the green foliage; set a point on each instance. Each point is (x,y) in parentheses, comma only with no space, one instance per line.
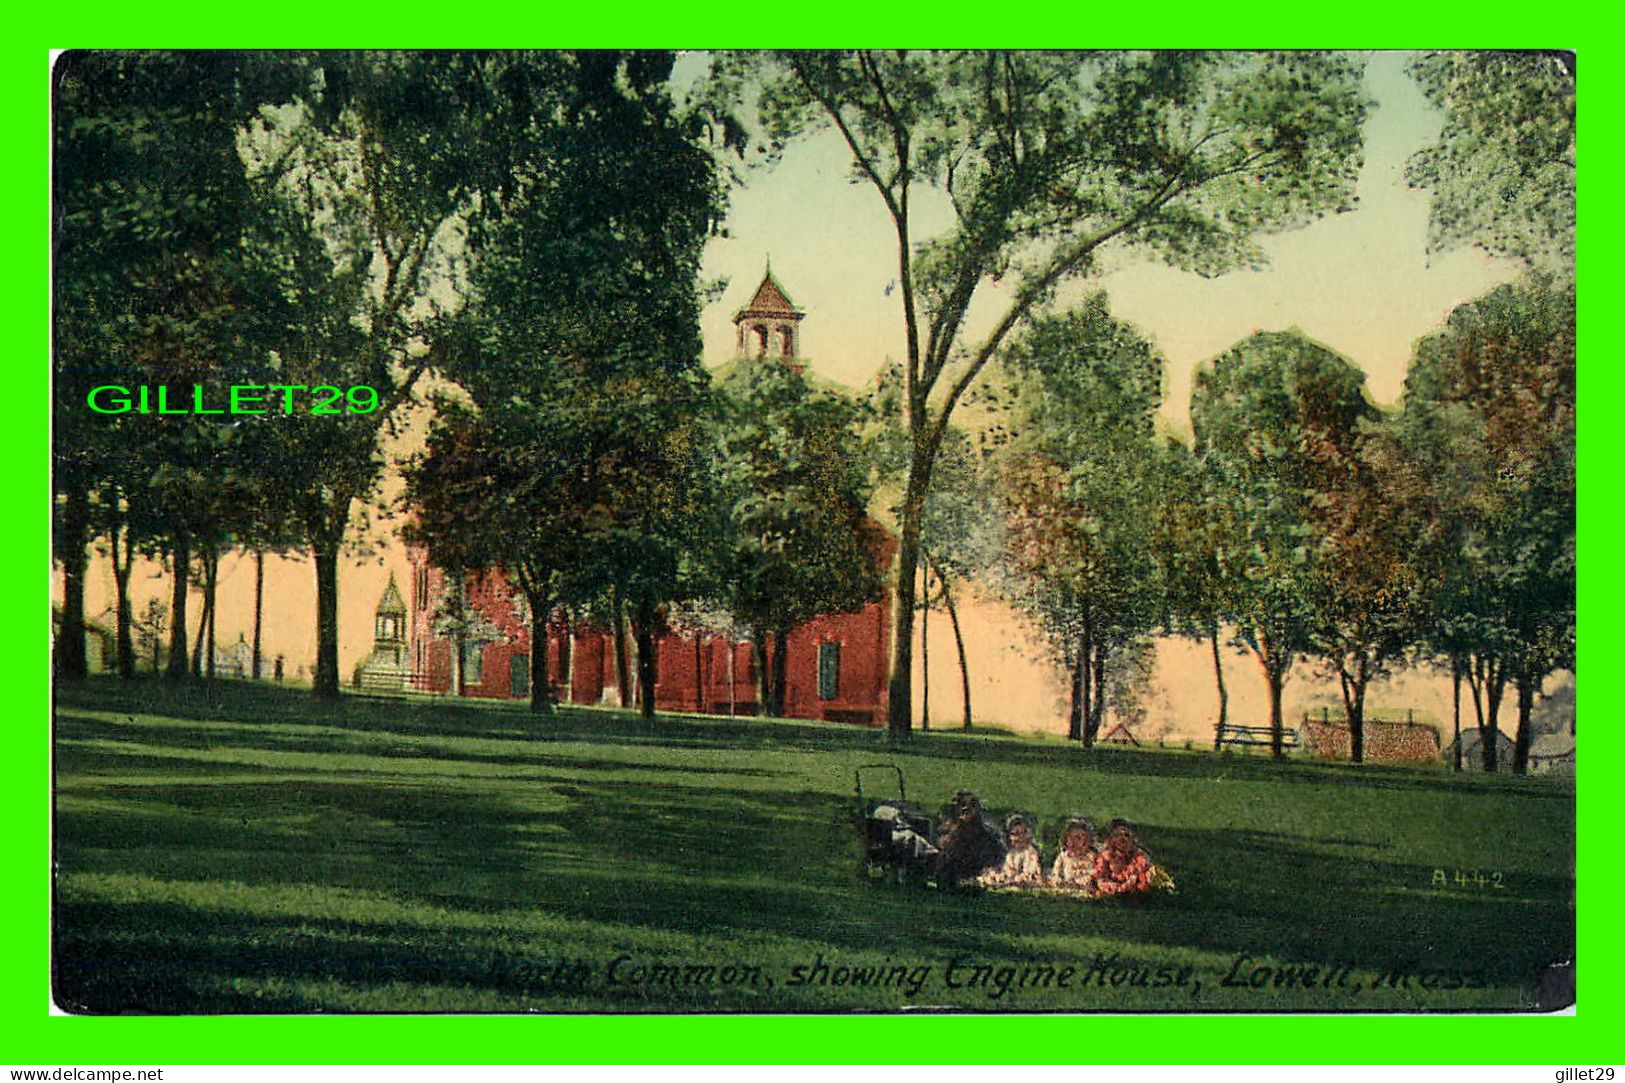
(579,465)
(795,483)
(1080,491)
(1277,421)
(1488,434)
(1502,170)
(1050,160)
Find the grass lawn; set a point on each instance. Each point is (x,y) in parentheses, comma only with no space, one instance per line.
(244,849)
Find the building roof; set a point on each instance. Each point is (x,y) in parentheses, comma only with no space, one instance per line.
(1552,744)
(770,300)
(392,602)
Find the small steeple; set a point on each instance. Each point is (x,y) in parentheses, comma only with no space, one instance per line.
(392,602)
(767,326)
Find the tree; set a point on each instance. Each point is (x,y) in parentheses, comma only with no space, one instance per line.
(373,178)
(1191,532)
(961,536)
(1276,419)
(1365,592)
(579,350)
(1079,489)
(1048,160)
(1489,421)
(149,203)
(961,527)
(795,483)
(1502,170)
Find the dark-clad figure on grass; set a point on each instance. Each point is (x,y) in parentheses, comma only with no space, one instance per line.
(968,845)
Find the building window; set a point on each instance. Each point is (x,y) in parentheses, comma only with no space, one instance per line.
(829,670)
(473,663)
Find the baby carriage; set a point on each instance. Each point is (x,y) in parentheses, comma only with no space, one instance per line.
(896,835)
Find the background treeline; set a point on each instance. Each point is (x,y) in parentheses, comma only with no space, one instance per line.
(526,229)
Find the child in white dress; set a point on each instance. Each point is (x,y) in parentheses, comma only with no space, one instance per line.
(1074,867)
(1022,867)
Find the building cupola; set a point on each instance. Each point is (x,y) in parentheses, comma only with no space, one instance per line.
(768,325)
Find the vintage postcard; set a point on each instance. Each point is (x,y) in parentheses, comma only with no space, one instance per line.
(813,532)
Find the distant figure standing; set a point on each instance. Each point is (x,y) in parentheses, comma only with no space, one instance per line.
(279,669)
(968,845)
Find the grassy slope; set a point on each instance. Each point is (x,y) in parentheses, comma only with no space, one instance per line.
(243,849)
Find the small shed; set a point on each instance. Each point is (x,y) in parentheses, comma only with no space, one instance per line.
(1120,735)
(1472,754)
(1552,754)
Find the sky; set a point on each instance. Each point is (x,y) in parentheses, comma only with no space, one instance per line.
(1360,282)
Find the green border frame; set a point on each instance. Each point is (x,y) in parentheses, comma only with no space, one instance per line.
(1590,1036)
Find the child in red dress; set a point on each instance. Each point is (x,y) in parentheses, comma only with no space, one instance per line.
(1125,869)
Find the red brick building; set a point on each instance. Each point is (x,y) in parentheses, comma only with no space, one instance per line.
(835,665)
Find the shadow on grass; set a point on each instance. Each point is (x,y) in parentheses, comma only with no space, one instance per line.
(586,855)
(245,702)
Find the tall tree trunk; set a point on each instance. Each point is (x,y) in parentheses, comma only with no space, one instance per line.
(699,673)
(259,605)
(202,619)
(764,676)
(1357,722)
(643,628)
(1527,685)
(1097,709)
(326,683)
(567,655)
(732,701)
(180,559)
(541,698)
(1455,689)
(1275,677)
(1352,683)
(1087,661)
(781,670)
(1218,679)
(459,664)
(211,580)
(1277,725)
(1488,683)
(1080,693)
(623,668)
(900,688)
(959,643)
(925,650)
(124,538)
(71,662)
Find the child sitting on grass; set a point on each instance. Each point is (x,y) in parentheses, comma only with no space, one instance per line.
(1074,867)
(1021,867)
(968,846)
(1123,869)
